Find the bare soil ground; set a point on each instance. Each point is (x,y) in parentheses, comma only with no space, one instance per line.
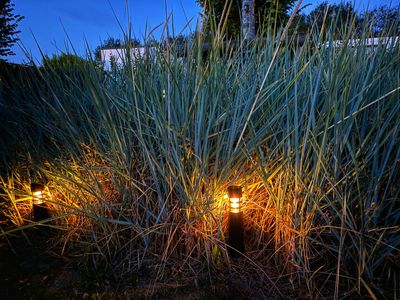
(29,269)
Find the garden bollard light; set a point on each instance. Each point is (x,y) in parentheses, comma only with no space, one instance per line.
(40,211)
(235,222)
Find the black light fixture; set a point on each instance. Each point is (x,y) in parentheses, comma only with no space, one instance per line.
(40,211)
(235,221)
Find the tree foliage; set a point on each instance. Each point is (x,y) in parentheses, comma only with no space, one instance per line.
(64,61)
(382,19)
(335,18)
(265,11)
(8,27)
(343,15)
(328,13)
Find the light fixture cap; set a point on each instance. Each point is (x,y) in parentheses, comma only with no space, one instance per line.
(234,191)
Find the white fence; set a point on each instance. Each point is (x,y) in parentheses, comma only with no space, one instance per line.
(371,43)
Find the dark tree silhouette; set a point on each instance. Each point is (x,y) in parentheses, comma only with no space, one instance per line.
(8,27)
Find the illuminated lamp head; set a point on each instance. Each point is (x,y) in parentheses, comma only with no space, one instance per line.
(37,191)
(234,194)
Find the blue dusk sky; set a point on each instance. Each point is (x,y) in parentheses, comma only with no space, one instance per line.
(50,23)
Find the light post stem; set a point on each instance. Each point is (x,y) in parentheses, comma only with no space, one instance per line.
(40,212)
(235,238)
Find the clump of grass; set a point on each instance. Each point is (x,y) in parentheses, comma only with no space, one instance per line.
(138,159)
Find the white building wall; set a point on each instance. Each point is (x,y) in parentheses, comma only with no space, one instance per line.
(119,55)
